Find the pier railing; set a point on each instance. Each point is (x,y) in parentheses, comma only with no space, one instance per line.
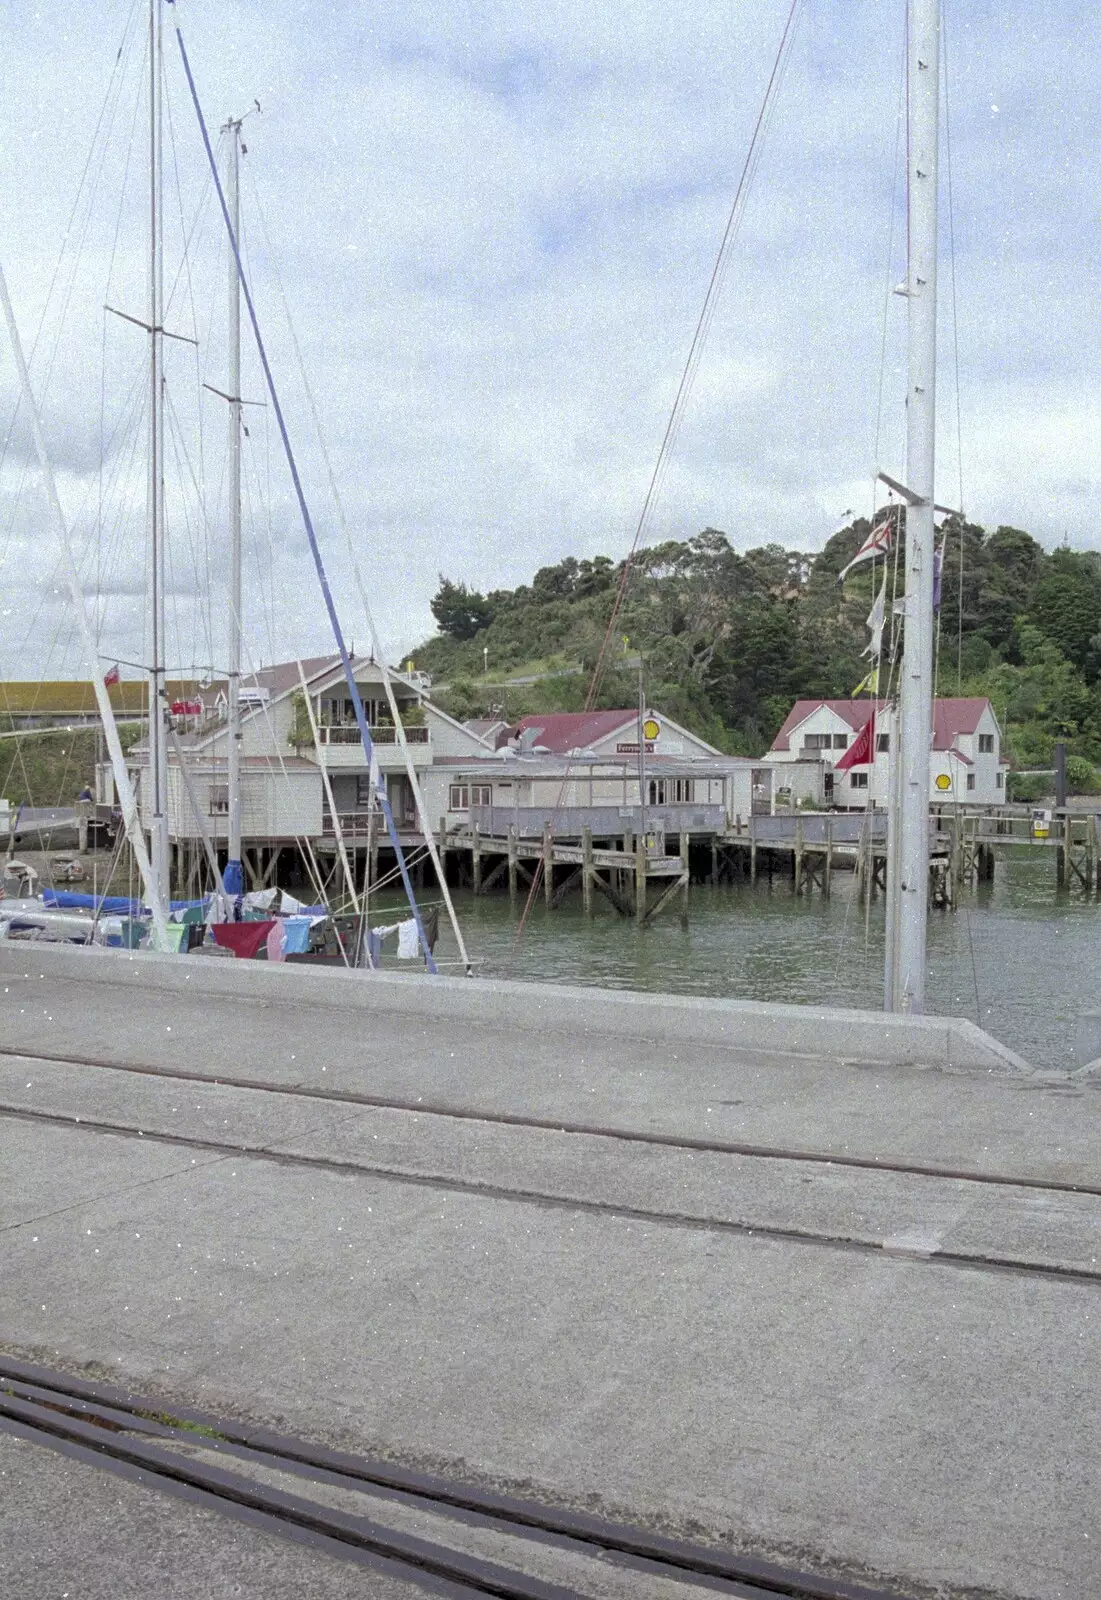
(603,822)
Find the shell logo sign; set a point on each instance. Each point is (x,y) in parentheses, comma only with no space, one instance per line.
(651,730)
(943,781)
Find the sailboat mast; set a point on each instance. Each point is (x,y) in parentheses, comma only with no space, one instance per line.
(234,879)
(158,706)
(905,986)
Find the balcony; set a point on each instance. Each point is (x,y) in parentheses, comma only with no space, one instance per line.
(384,733)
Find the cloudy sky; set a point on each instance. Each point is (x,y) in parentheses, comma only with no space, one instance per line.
(494,225)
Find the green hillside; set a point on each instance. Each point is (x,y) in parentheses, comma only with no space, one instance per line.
(729,640)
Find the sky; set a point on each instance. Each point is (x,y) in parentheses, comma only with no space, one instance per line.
(492,226)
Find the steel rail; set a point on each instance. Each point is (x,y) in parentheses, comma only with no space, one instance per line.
(697,1222)
(508,1119)
(92,1414)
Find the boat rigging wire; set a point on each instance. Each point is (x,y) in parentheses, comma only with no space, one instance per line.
(315,549)
(376,647)
(684,390)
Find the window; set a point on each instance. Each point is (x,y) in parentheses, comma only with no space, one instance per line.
(219,800)
(657,792)
(840,741)
(858,780)
(817,741)
(986,744)
(459,799)
(970,780)
(883,741)
(363,793)
(1000,780)
(481,794)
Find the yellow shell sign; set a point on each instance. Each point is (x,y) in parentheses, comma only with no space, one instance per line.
(651,730)
(943,781)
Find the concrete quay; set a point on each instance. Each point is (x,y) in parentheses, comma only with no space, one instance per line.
(622,1253)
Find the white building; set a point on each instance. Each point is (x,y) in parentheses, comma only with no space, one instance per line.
(506,776)
(965,767)
(567,760)
(283,798)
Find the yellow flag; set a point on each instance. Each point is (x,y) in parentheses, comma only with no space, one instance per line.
(868,685)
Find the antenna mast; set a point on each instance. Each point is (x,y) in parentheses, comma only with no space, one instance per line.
(158,704)
(234,877)
(904,988)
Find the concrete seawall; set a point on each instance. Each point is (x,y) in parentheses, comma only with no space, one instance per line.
(949,1043)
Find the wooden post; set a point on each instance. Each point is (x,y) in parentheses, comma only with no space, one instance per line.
(685,845)
(640,878)
(827,877)
(441,846)
(587,871)
(714,863)
(476,858)
(548,863)
(372,849)
(82,810)
(752,851)
(1061,849)
(797,874)
(512,861)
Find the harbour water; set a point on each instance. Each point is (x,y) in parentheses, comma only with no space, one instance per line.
(1019,958)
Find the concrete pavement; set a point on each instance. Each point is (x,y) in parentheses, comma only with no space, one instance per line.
(882,1373)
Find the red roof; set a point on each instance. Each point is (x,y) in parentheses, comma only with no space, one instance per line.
(563,731)
(950,718)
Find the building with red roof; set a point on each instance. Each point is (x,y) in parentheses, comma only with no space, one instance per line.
(966,764)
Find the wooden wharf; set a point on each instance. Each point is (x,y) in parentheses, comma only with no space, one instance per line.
(643,862)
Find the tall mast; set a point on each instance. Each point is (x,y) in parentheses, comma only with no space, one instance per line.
(234,879)
(158,707)
(905,959)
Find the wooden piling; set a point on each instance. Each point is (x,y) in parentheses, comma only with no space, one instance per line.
(441,846)
(685,843)
(513,862)
(752,851)
(714,864)
(1061,850)
(548,863)
(372,848)
(827,874)
(587,871)
(640,878)
(476,858)
(797,874)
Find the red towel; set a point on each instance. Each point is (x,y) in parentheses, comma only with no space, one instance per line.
(243,938)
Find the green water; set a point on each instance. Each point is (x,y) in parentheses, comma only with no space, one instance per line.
(1017,957)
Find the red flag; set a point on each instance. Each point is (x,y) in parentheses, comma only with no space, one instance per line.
(186,708)
(112,676)
(861,753)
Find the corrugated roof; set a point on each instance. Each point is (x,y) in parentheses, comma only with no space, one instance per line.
(76,698)
(951,717)
(562,731)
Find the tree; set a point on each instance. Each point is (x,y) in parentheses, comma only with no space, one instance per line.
(460,612)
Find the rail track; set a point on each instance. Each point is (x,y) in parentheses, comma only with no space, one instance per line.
(674,1141)
(560,1198)
(539,1551)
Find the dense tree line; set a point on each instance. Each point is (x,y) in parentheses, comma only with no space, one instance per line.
(728,640)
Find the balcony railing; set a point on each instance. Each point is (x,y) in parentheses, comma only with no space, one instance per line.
(348,733)
(354,825)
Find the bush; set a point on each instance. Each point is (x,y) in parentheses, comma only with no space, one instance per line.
(1028,787)
(1081,777)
